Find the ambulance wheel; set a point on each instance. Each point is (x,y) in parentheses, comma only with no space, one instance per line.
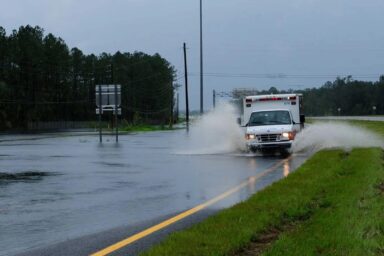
(284,152)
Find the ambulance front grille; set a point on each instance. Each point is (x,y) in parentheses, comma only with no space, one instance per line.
(268,137)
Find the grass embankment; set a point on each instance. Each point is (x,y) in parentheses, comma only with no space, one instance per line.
(375,126)
(132,127)
(145,128)
(332,205)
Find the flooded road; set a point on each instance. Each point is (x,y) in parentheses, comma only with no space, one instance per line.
(54,189)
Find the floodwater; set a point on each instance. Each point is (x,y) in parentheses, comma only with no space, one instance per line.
(57,188)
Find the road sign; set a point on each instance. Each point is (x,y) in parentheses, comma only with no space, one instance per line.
(108,98)
(106,109)
(108,95)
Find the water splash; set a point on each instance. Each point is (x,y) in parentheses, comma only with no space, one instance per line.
(320,136)
(216,133)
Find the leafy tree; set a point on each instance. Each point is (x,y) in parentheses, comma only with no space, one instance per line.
(42,80)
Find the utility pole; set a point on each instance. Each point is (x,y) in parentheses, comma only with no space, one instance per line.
(214,98)
(201,59)
(171,112)
(100,112)
(116,110)
(112,78)
(177,107)
(186,86)
(116,113)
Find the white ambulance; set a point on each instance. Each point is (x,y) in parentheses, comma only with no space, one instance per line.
(271,121)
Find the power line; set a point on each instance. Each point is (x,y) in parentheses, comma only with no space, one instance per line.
(284,76)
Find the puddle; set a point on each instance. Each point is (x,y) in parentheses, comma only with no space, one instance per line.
(24,176)
(112,164)
(60,156)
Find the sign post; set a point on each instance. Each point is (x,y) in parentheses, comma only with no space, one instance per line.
(100,113)
(117,127)
(108,98)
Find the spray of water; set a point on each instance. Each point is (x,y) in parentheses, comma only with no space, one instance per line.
(334,135)
(216,132)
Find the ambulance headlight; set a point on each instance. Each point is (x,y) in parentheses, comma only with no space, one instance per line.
(288,135)
(250,136)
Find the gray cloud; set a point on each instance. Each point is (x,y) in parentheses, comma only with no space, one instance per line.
(308,40)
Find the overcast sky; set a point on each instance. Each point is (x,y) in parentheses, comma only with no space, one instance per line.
(247,43)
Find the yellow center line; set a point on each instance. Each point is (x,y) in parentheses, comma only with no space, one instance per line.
(148,231)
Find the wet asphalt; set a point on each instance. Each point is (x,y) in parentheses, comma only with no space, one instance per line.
(71,195)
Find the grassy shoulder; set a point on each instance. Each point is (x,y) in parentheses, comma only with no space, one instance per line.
(374,126)
(144,128)
(331,207)
(128,127)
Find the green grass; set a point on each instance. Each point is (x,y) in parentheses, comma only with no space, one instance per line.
(144,128)
(124,126)
(374,126)
(350,218)
(332,207)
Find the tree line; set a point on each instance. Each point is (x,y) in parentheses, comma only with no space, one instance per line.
(41,79)
(344,96)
